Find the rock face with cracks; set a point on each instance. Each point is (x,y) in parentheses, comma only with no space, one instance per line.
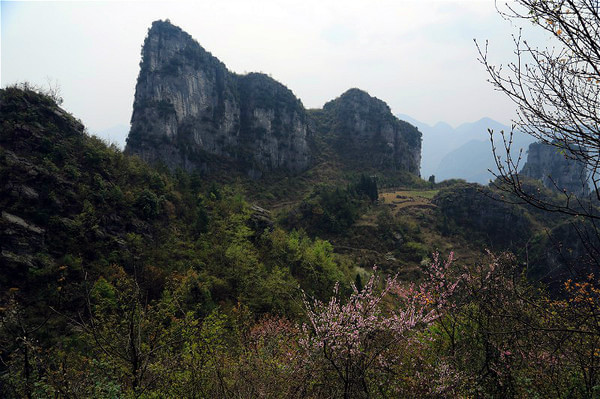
(367,135)
(556,171)
(189,105)
(191,112)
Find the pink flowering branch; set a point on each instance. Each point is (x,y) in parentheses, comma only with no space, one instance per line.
(354,335)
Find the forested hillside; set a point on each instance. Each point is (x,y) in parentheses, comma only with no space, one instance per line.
(124,280)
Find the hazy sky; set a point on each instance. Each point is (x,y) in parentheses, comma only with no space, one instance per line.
(418,56)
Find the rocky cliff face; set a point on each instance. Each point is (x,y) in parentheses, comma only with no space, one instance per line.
(364,131)
(188,105)
(548,164)
(191,112)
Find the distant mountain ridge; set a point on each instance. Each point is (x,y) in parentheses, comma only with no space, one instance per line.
(464,152)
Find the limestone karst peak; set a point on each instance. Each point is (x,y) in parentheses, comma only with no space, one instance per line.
(189,107)
(367,132)
(191,112)
(556,169)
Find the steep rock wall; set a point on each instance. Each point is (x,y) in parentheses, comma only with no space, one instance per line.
(187,105)
(365,133)
(189,111)
(548,164)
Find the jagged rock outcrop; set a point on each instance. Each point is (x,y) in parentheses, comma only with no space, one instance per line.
(188,106)
(365,133)
(191,112)
(548,164)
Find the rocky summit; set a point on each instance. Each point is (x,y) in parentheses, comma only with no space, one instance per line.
(368,135)
(556,169)
(191,112)
(187,105)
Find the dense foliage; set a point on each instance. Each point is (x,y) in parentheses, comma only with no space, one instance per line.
(77,213)
(333,209)
(122,280)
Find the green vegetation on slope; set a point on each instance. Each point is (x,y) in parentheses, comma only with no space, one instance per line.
(76,212)
(123,280)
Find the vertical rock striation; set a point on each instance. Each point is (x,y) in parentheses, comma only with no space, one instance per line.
(548,164)
(189,111)
(188,105)
(367,134)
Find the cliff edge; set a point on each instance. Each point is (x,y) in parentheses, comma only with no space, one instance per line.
(189,106)
(191,112)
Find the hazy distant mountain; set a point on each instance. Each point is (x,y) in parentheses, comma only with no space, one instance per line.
(464,152)
(114,135)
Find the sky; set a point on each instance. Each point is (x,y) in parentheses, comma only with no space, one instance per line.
(417,56)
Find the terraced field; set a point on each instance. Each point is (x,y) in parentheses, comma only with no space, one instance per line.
(400,199)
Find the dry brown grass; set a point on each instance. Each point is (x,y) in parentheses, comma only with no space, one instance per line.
(400,199)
